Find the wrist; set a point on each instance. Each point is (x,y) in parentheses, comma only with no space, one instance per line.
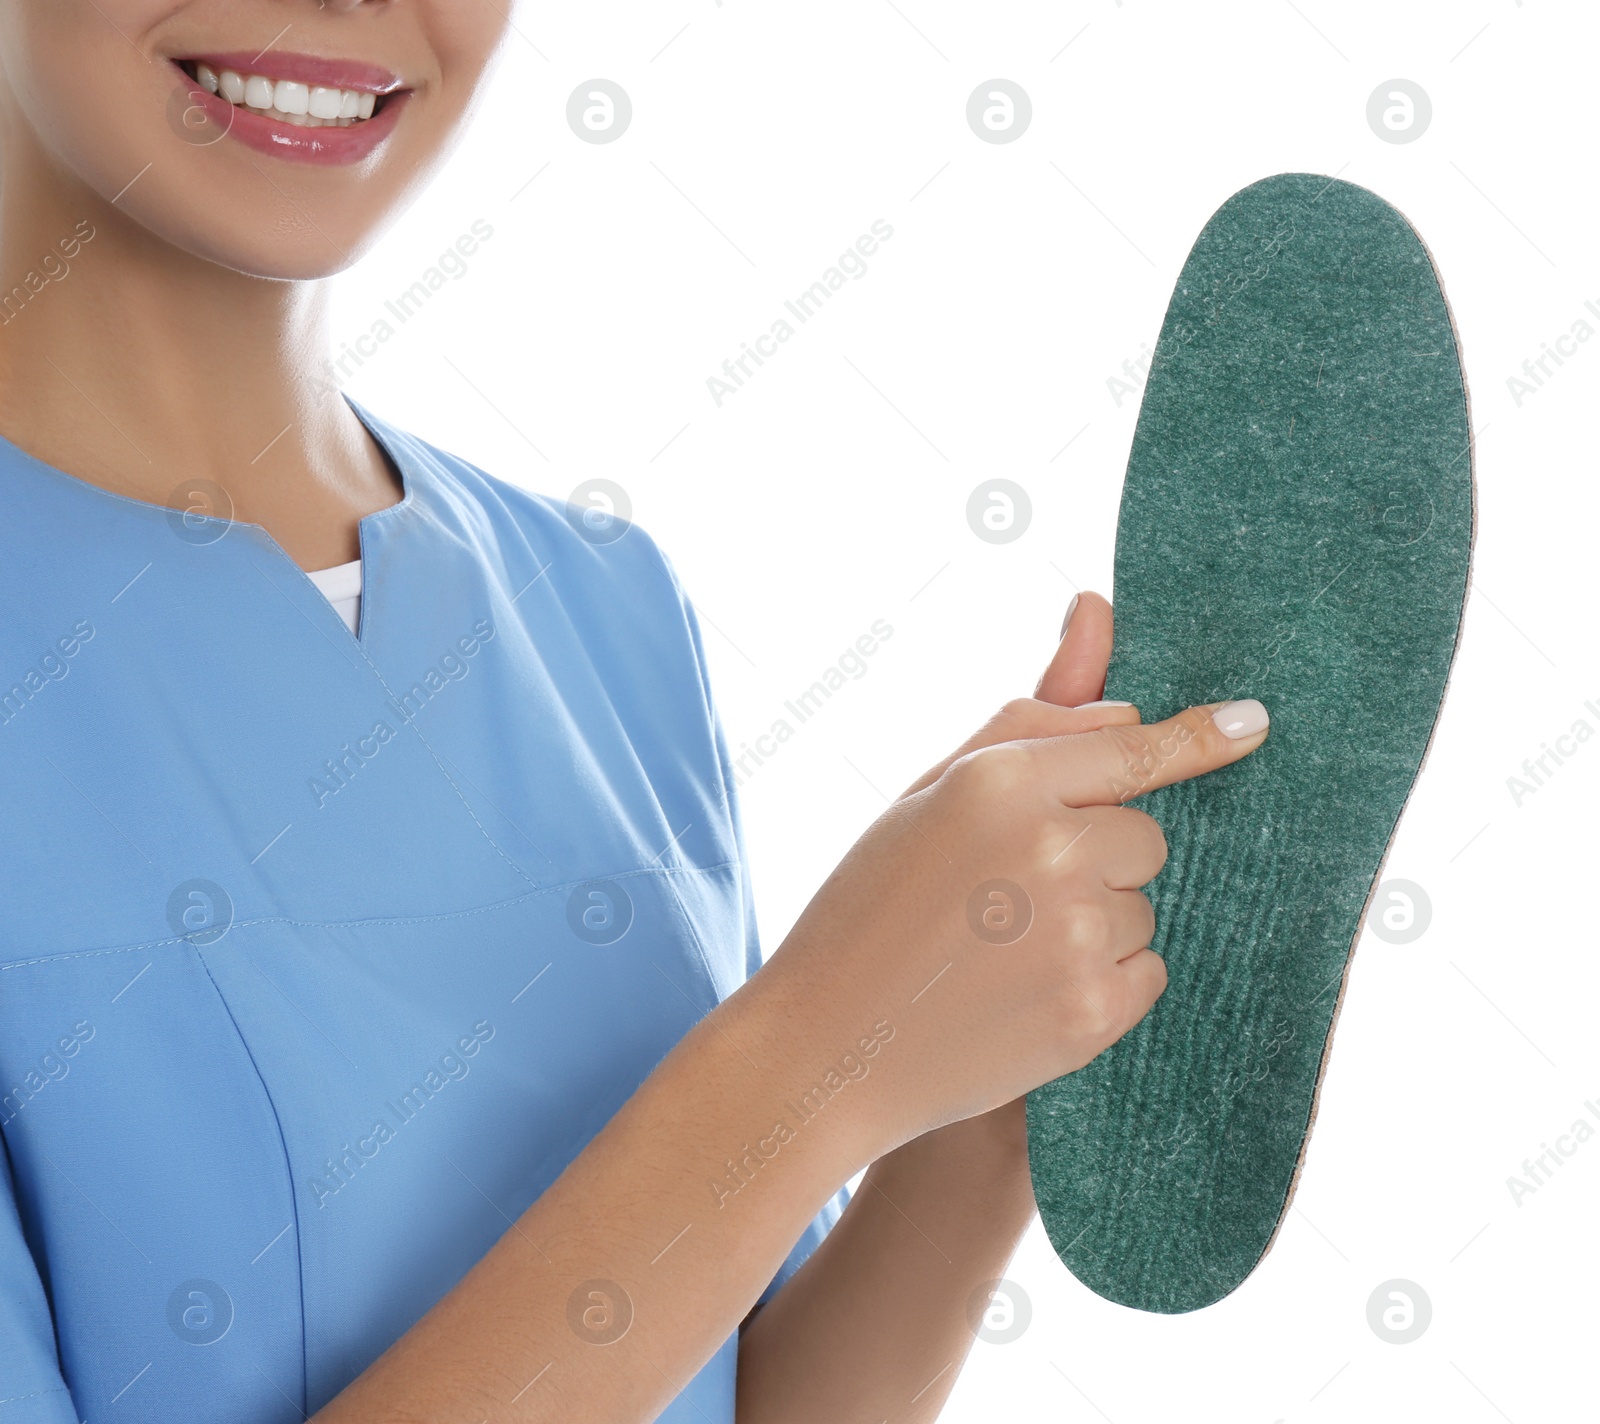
(826,1066)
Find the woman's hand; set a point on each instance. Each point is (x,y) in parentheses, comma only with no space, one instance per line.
(1076,675)
(992,917)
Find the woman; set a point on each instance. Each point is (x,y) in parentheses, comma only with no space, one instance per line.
(379,1025)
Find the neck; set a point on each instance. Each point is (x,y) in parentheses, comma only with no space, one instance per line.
(135,365)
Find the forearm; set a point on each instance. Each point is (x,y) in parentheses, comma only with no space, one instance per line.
(638,1208)
(876,1324)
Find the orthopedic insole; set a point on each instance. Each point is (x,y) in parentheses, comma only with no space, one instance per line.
(1296,526)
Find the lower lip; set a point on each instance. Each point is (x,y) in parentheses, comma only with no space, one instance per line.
(331,145)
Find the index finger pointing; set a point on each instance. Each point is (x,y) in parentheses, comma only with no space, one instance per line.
(1111,766)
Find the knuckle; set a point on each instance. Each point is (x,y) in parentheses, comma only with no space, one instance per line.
(965,774)
(1206,734)
(997,770)
(1082,1002)
(1135,757)
(1141,841)
(1056,833)
(1129,741)
(1147,917)
(1157,976)
(1153,840)
(1114,1030)
(1114,1019)
(1027,719)
(1173,742)
(1018,719)
(1138,992)
(1087,929)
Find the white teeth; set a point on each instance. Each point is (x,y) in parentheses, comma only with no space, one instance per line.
(292,98)
(325,103)
(289,101)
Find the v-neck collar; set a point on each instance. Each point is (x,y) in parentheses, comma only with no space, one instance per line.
(406,470)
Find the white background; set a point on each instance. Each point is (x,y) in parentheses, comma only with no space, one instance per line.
(831,492)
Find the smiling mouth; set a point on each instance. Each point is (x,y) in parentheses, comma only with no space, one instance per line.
(288,101)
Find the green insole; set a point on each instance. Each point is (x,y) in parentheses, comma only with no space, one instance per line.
(1296,526)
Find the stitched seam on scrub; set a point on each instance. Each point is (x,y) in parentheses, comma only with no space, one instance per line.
(288,1167)
(380,919)
(37,1394)
(699,944)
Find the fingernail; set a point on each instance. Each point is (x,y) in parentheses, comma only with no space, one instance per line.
(1085,706)
(1068,618)
(1241,719)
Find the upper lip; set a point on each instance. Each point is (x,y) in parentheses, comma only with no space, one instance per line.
(309,69)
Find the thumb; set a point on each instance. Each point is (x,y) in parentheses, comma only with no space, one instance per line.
(1077,672)
(1112,765)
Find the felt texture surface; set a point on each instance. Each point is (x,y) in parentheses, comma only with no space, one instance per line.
(1296,525)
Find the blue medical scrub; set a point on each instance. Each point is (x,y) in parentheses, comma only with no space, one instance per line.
(322,955)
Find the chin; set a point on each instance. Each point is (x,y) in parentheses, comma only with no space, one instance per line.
(280,255)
